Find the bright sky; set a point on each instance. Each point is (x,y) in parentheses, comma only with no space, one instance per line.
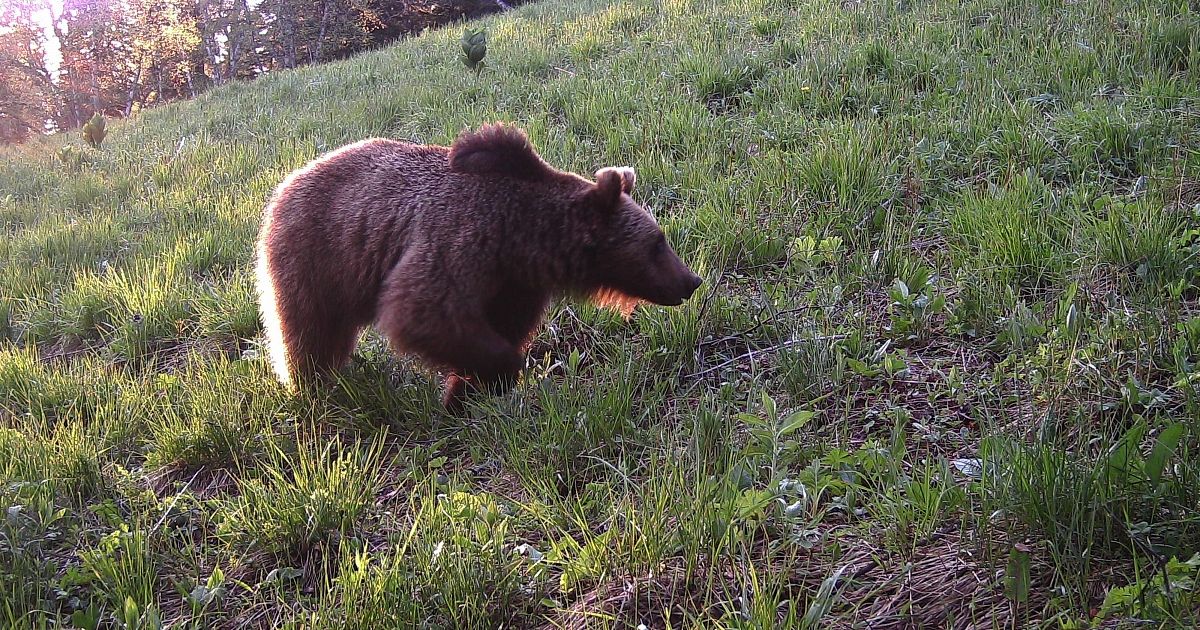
(53,54)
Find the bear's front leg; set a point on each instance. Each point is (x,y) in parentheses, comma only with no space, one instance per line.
(456,387)
(475,354)
(493,365)
(454,393)
(452,332)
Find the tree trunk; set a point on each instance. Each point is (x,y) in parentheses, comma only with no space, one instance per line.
(290,43)
(133,87)
(66,73)
(315,51)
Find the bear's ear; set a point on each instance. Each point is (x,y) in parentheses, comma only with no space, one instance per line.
(606,194)
(496,149)
(628,177)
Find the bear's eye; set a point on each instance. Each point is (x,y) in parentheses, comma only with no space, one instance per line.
(660,243)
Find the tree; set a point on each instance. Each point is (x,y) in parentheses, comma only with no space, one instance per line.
(119,56)
(398,18)
(164,34)
(297,32)
(99,59)
(29,99)
(228,32)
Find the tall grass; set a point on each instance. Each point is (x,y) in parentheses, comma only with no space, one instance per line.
(943,370)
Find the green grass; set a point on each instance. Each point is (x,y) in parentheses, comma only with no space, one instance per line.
(943,372)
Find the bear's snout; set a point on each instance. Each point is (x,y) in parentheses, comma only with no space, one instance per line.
(684,290)
(691,285)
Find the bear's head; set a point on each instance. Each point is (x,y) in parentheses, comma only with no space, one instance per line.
(620,256)
(632,260)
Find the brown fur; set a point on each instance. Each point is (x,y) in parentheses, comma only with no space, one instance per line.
(453,252)
(500,150)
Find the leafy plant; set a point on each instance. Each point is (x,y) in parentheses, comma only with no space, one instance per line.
(807,252)
(69,156)
(204,596)
(132,616)
(914,306)
(122,566)
(474,47)
(771,435)
(1171,594)
(883,361)
(31,528)
(94,131)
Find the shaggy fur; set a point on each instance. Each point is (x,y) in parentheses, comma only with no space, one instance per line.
(454,253)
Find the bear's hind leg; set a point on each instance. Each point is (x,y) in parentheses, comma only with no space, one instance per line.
(305,337)
(323,348)
(314,344)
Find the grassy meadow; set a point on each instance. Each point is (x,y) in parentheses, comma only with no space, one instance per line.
(944,371)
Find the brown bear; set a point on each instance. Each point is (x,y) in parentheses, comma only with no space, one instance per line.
(453,253)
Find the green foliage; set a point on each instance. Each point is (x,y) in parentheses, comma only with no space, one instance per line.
(1170,595)
(1172,43)
(302,501)
(1143,240)
(120,563)
(915,304)
(772,442)
(474,47)
(94,131)
(32,531)
(70,157)
(1014,233)
(1124,501)
(948,330)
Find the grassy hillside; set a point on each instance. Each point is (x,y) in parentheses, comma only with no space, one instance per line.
(943,372)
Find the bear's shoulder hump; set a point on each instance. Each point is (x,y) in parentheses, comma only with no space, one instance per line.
(497,149)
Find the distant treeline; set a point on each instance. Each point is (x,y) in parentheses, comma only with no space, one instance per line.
(119,56)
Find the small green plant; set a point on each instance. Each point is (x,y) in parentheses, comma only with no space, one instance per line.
(723,81)
(917,501)
(131,616)
(915,304)
(303,500)
(32,530)
(69,156)
(474,47)
(94,131)
(459,539)
(882,361)
(121,567)
(1017,573)
(874,60)
(204,597)
(1171,45)
(1021,329)
(1088,509)
(1171,594)
(848,178)
(771,435)
(807,253)
(766,27)
(1144,241)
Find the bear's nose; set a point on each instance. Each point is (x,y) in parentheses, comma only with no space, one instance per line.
(694,283)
